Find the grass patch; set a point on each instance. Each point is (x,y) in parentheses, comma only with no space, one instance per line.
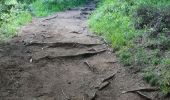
(139,31)
(113,20)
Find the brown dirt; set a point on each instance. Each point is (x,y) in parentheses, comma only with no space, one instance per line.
(56,58)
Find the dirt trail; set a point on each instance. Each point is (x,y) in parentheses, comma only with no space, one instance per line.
(56,58)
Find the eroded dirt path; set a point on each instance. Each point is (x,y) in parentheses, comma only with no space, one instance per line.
(56,58)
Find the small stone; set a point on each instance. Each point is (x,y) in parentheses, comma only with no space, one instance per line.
(31,60)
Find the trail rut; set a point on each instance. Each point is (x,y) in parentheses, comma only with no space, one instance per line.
(57,58)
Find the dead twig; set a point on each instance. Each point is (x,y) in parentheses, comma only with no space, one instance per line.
(51,18)
(111,62)
(89,66)
(75,32)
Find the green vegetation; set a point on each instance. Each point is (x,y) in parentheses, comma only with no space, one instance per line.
(116,19)
(113,20)
(46,7)
(14,13)
(140,32)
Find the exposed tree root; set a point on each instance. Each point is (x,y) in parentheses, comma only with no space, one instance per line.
(143,95)
(104,81)
(108,76)
(139,92)
(60,44)
(142,89)
(86,54)
(103,85)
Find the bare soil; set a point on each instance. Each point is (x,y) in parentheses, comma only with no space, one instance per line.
(57,58)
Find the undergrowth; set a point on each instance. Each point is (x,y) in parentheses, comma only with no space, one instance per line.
(46,7)
(9,28)
(12,16)
(140,32)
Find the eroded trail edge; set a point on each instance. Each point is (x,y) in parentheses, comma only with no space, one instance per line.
(56,58)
